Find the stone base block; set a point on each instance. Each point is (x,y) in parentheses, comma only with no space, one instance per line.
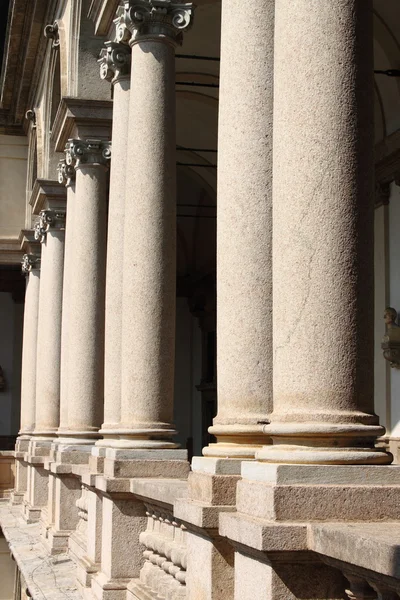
(85,568)
(17,497)
(31,514)
(109,589)
(215,490)
(146,468)
(306,493)
(57,541)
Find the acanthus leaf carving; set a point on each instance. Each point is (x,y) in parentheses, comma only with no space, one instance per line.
(48,219)
(115,61)
(158,19)
(30,262)
(90,151)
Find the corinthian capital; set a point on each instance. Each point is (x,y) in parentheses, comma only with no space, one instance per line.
(115,61)
(95,152)
(165,19)
(48,219)
(66,173)
(30,262)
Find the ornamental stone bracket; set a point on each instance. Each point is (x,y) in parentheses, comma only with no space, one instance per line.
(115,61)
(87,152)
(30,262)
(51,32)
(391,340)
(157,19)
(49,219)
(66,173)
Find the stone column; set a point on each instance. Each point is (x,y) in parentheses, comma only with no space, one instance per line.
(323,240)
(66,176)
(50,231)
(115,67)
(244,237)
(86,300)
(149,282)
(31,267)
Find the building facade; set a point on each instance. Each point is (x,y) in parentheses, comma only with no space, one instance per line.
(205,203)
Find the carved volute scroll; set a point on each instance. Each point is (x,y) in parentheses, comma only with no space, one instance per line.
(66,173)
(391,340)
(115,61)
(48,219)
(30,262)
(89,152)
(165,19)
(51,32)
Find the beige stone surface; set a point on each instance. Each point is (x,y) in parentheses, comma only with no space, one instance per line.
(210,572)
(215,490)
(29,357)
(260,535)
(115,249)
(318,502)
(166,491)
(373,546)
(244,236)
(49,335)
(66,304)
(149,280)
(323,235)
(86,328)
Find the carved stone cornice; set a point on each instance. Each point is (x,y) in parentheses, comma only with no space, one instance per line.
(157,19)
(51,32)
(66,173)
(49,219)
(87,152)
(30,262)
(115,61)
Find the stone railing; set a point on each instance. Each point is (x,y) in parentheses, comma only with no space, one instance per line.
(163,575)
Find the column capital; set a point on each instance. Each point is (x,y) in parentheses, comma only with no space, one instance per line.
(66,173)
(115,61)
(88,152)
(49,219)
(30,262)
(157,20)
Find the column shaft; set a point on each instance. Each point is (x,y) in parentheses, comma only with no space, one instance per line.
(29,349)
(69,268)
(244,234)
(49,334)
(323,234)
(115,250)
(148,333)
(86,326)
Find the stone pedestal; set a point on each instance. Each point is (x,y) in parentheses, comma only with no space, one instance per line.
(244,236)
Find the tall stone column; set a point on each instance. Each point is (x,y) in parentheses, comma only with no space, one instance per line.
(323,239)
(244,236)
(149,282)
(31,267)
(50,231)
(86,300)
(115,67)
(66,176)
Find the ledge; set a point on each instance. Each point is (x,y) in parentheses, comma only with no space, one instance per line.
(46,576)
(372,546)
